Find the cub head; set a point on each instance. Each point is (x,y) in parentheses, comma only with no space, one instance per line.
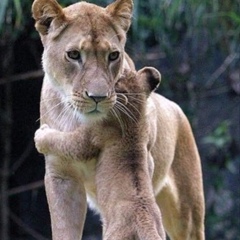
(84,53)
(143,82)
(133,89)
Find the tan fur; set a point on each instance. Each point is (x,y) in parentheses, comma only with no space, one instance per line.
(108,139)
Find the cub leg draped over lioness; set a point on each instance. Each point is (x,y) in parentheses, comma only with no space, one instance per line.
(124,191)
(85,65)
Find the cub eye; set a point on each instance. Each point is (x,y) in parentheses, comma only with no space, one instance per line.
(74,54)
(113,56)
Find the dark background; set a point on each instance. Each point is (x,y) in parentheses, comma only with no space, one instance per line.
(195,46)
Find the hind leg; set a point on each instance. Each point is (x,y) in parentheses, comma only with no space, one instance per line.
(182,198)
(183,216)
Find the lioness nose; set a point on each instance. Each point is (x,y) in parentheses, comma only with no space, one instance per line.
(97,98)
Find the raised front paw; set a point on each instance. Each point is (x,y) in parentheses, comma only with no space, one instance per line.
(42,138)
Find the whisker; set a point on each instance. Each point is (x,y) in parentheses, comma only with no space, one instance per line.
(118,117)
(62,116)
(132,95)
(121,96)
(51,109)
(126,111)
(74,114)
(135,108)
(137,99)
(130,102)
(71,111)
(49,99)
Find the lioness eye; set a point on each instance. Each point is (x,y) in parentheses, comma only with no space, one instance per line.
(74,54)
(113,56)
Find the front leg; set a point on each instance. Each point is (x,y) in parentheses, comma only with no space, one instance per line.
(66,199)
(52,141)
(71,145)
(64,187)
(125,195)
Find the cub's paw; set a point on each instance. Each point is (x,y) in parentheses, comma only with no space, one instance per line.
(42,138)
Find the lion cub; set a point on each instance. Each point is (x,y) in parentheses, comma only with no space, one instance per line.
(124,194)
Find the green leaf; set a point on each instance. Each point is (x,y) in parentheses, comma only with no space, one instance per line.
(220,137)
(18,8)
(3,8)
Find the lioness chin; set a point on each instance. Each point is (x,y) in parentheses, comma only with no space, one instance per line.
(108,139)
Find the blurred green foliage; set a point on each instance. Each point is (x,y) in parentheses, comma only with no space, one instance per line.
(196,36)
(11,18)
(170,20)
(222,213)
(220,137)
(166,21)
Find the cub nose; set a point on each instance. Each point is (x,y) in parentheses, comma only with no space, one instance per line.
(97,98)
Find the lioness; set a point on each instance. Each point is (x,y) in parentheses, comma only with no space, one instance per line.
(120,163)
(121,190)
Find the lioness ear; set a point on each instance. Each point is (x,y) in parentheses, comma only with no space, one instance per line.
(121,12)
(150,77)
(45,12)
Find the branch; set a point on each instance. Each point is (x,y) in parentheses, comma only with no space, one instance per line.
(26,187)
(229,59)
(4,181)
(26,228)
(22,76)
(215,92)
(23,157)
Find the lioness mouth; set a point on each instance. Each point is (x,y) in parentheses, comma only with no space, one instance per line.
(95,111)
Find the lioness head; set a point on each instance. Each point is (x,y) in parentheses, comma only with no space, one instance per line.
(84,51)
(84,55)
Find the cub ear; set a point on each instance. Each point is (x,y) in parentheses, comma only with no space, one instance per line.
(121,12)
(45,12)
(150,77)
